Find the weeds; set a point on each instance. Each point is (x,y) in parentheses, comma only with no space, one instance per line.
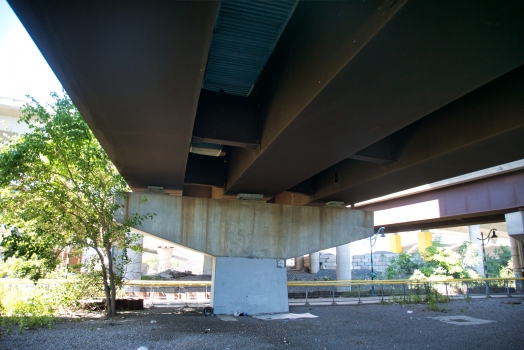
(28,309)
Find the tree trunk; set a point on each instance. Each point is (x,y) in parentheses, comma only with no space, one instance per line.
(111,273)
(106,285)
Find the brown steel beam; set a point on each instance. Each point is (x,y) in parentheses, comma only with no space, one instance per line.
(352,75)
(227,120)
(484,128)
(206,170)
(479,201)
(134,69)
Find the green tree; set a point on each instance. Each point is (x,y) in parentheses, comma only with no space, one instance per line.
(498,262)
(470,254)
(403,266)
(58,187)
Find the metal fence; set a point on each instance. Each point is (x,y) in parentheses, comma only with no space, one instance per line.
(347,291)
(401,290)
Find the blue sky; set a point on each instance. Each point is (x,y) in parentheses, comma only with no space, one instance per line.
(23,70)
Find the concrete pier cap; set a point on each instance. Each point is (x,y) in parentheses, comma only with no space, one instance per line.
(249,241)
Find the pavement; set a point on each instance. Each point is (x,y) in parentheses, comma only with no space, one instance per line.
(477,323)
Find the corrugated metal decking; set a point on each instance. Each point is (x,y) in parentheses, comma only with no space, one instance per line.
(245,35)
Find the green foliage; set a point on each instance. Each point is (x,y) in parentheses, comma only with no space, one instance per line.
(26,308)
(442,262)
(402,266)
(30,254)
(437,262)
(424,294)
(499,264)
(470,254)
(59,188)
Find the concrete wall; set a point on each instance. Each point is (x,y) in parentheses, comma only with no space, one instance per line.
(380,261)
(247,285)
(328,261)
(9,125)
(248,229)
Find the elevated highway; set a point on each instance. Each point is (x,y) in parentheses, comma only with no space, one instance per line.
(303,102)
(348,100)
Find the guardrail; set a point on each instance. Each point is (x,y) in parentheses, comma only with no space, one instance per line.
(176,292)
(404,289)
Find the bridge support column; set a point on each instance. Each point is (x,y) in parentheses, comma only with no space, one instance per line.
(475,237)
(515,225)
(425,239)
(394,243)
(164,257)
(314,262)
(343,265)
(516,259)
(255,286)
(134,268)
(299,262)
(208,265)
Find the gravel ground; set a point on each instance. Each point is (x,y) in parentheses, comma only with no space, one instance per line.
(337,327)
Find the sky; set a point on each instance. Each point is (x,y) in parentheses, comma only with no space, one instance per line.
(23,69)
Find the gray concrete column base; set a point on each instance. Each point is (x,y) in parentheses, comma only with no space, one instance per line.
(255,286)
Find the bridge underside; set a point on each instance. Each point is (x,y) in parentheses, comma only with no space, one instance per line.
(354,99)
(345,101)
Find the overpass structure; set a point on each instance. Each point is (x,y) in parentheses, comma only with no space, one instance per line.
(302,102)
(485,198)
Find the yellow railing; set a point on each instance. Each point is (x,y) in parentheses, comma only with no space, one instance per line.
(337,283)
(349,283)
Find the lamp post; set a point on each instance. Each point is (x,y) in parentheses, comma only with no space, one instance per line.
(372,241)
(492,234)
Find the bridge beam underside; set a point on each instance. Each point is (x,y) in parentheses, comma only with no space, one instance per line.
(480,201)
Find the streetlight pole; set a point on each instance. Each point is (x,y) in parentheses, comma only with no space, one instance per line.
(372,241)
(492,234)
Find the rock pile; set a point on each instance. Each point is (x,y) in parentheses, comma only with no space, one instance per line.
(174,274)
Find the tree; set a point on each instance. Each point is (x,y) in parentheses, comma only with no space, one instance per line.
(402,266)
(59,188)
(498,262)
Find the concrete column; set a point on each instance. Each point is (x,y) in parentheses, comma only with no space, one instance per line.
(515,225)
(164,257)
(314,262)
(255,286)
(474,236)
(343,265)
(133,270)
(208,265)
(425,239)
(299,262)
(394,243)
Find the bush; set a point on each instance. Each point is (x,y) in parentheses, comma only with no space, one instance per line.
(26,307)
(402,266)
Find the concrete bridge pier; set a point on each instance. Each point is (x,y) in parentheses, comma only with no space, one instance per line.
(475,236)
(343,265)
(164,257)
(249,285)
(249,240)
(208,265)
(299,262)
(515,225)
(314,262)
